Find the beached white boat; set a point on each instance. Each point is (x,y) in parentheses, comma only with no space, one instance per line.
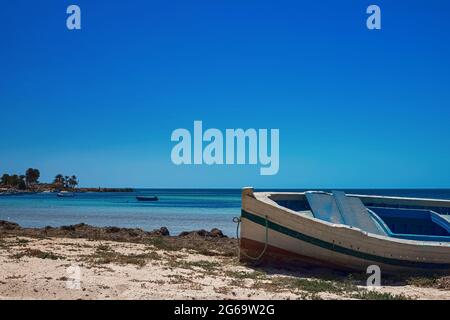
(346,232)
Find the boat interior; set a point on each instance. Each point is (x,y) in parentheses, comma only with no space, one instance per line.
(403,218)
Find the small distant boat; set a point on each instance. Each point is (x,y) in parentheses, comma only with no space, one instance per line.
(65,194)
(347,232)
(147,198)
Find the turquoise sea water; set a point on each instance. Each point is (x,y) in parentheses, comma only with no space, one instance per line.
(178,209)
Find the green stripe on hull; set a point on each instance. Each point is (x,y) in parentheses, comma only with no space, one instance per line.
(333,247)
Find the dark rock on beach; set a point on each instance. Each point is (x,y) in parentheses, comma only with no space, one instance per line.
(68,228)
(112,229)
(214,233)
(212,242)
(6,225)
(163,231)
(217,233)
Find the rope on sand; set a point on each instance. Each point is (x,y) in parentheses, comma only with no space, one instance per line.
(237,220)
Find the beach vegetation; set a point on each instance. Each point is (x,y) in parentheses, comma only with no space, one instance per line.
(241,275)
(161,243)
(106,255)
(376,295)
(296,284)
(35,253)
(20,242)
(423,282)
(431,281)
(207,266)
(307,288)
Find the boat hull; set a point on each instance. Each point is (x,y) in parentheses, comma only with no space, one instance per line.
(293,238)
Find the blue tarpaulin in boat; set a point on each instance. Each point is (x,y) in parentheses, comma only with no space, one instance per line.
(340,209)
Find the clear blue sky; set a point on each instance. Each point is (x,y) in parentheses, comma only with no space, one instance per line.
(355,108)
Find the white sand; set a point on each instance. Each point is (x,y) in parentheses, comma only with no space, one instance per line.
(172,275)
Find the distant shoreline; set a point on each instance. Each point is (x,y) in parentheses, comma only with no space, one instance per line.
(12,191)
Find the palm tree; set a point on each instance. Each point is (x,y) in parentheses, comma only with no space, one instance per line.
(32,176)
(66,181)
(59,181)
(73,182)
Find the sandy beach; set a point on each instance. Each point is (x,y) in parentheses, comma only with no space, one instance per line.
(117,263)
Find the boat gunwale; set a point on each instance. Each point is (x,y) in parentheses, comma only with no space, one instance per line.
(440,201)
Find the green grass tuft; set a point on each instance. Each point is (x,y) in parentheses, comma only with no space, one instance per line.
(161,243)
(375,295)
(105,255)
(35,253)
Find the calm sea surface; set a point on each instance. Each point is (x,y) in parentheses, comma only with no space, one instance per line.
(177,209)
